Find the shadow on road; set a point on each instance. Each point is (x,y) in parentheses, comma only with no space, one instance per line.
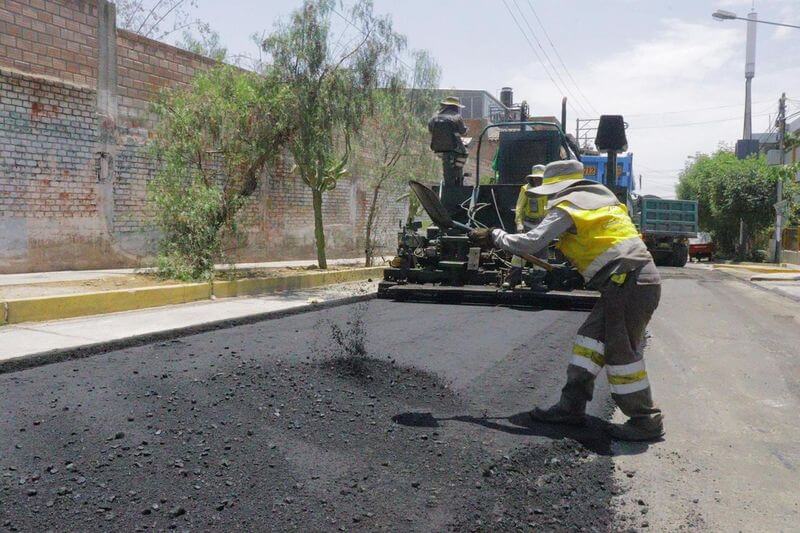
(592,436)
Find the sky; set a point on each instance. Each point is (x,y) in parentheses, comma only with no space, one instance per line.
(676,74)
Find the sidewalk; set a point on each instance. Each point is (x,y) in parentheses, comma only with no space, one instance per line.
(38,297)
(783,279)
(29,344)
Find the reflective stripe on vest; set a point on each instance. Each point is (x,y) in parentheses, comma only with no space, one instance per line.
(602,235)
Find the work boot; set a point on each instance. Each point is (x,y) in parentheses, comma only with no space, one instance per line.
(570,413)
(640,428)
(514,278)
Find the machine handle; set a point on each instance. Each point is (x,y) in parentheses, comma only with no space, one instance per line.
(538,262)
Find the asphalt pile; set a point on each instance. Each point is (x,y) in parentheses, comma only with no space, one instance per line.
(200,435)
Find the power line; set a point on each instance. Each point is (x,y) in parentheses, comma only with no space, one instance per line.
(679,111)
(549,61)
(692,123)
(563,64)
(533,49)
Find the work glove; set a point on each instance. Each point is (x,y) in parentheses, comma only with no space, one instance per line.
(481,237)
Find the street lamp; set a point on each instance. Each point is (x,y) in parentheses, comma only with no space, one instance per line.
(749,72)
(721,14)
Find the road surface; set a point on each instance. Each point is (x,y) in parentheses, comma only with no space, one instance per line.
(266,426)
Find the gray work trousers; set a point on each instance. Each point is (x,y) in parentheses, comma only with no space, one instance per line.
(612,338)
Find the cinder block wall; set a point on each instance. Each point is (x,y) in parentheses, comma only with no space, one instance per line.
(74,124)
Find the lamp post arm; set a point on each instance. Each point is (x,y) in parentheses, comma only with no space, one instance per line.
(768,22)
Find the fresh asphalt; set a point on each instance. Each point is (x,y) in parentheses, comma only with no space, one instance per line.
(264,427)
(244,428)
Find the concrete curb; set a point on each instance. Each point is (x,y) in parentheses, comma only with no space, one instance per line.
(749,282)
(98,303)
(67,354)
(759,269)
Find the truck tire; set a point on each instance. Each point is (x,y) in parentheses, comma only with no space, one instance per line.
(680,255)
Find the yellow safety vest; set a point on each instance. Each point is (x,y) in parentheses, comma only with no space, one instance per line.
(602,235)
(529,208)
(525,208)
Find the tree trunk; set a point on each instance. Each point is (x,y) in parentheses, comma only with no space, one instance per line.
(319,230)
(373,208)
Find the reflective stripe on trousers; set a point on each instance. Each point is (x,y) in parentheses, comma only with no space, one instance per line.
(588,354)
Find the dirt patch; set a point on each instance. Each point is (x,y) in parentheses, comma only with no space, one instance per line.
(57,288)
(136,281)
(227,275)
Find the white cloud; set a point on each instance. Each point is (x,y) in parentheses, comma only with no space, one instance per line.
(657,83)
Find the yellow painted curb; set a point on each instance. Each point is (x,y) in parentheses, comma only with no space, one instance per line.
(760,269)
(98,303)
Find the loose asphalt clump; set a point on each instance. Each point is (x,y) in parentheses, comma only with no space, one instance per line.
(559,486)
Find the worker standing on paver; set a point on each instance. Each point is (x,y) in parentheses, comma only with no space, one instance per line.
(529,212)
(598,237)
(447,128)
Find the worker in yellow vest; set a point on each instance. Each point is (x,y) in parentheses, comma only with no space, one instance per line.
(597,236)
(529,212)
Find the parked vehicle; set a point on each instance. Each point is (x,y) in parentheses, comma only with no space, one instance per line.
(702,247)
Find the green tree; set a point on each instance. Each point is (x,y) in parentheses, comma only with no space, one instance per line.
(204,41)
(392,147)
(729,190)
(333,87)
(213,141)
(156,19)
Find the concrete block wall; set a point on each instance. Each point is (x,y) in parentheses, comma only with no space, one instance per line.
(75,95)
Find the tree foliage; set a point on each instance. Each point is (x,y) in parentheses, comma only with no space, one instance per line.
(204,41)
(213,141)
(729,190)
(333,83)
(392,147)
(156,19)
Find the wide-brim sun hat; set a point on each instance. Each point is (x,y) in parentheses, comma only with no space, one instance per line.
(536,172)
(451,100)
(550,189)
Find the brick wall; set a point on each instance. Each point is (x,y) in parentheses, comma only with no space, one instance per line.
(50,204)
(145,67)
(56,38)
(74,125)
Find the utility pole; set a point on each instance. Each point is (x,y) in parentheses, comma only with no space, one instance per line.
(781,123)
(749,73)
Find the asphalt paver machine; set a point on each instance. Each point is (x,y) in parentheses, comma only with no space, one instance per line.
(437,263)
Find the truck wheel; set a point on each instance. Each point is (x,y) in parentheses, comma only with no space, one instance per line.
(680,255)
(660,258)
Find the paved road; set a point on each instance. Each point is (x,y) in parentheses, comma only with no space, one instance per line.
(242,428)
(258,427)
(724,357)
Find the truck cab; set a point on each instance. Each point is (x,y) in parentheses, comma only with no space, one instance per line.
(666,225)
